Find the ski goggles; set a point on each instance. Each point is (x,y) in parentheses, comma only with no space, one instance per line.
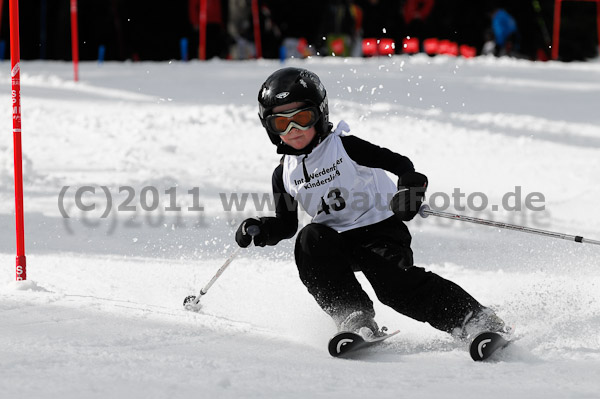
(303,119)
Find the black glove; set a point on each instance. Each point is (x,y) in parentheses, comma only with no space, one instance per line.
(411,193)
(243,237)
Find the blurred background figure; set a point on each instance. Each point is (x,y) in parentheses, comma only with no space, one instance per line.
(241,30)
(270,32)
(504,28)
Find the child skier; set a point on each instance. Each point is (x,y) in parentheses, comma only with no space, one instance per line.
(357,217)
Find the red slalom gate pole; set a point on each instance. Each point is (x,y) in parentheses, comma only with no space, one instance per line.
(74,40)
(556,29)
(256,23)
(202,31)
(15,58)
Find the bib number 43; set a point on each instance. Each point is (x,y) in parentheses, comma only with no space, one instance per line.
(335,202)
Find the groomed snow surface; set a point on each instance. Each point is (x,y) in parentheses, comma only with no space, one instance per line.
(100,314)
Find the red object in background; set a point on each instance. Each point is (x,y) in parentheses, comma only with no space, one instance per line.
(74,40)
(443,46)
(357,14)
(202,13)
(410,45)
(214,14)
(431,46)
(338,47)
(556,29)
(15,58)
(417,9)
(453,49)
(202,30)
(1,7)
(468,51)
(369,47)
(256,26)
(386,46)
(448,47)
(302,47)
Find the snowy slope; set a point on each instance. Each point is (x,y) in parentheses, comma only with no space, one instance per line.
(100,315)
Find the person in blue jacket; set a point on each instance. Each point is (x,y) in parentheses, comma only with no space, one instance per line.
(505,31)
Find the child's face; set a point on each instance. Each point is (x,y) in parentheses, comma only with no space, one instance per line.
(296,138)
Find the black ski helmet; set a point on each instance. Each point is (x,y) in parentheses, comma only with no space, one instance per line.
(289,85)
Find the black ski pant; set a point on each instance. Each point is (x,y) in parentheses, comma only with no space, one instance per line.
(327,261)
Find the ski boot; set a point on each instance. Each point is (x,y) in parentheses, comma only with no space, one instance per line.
(483,321)
(363,324)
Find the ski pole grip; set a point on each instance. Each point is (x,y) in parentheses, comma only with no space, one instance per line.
(253,230)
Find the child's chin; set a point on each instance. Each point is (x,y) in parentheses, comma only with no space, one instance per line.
(298,146)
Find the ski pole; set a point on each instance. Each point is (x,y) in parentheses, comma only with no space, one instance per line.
(191,302)
(425,211)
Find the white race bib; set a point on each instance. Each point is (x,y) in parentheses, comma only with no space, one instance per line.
(338,193)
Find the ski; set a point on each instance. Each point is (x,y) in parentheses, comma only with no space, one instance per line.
(486,344)
(346,342)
